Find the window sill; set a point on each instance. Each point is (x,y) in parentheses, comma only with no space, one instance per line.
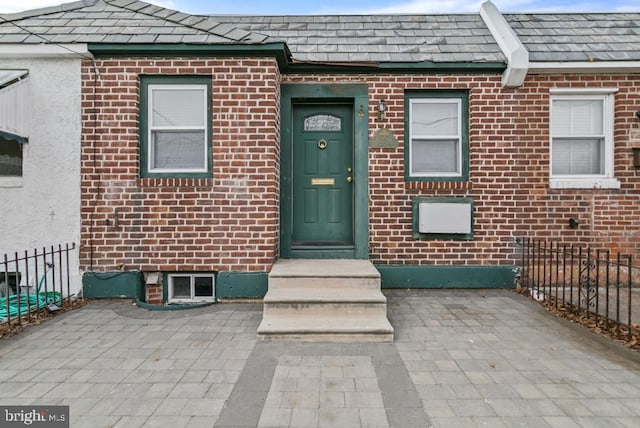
(584,183)
(11,182)
(174,182)
(438,185)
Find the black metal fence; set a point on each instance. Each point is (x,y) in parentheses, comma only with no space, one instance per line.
(589,283)
(33,282)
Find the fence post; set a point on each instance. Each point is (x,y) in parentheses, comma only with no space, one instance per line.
(608,278)
(6,283)
(618,293)
(629,281)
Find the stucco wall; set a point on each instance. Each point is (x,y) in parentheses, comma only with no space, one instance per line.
(43,208)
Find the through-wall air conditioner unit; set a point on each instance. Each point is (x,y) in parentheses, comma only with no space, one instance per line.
(443,217)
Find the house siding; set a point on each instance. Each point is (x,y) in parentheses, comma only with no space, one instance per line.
(228,222)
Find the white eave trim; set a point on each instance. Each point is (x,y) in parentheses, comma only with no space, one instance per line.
(585,67)
(511,46)
(44,50)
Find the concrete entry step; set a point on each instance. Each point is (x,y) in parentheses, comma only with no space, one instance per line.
(324,268)
(325,300)
(318,328)
(316,294)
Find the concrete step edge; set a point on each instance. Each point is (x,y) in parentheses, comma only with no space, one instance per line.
(312,295)
(353,324)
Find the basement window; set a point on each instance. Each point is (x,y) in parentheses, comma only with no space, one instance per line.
(191,287)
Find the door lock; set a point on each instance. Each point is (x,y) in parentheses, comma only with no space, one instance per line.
(349,169)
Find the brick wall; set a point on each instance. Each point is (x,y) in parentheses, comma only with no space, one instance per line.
(509,172)
(230,221)
(226,222)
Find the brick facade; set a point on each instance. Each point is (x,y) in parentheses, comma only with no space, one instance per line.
(230,221)
(227,222)
(509,172)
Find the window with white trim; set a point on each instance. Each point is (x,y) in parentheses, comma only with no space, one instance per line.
(175,130)
(582,139)
(436,133)
(193,287)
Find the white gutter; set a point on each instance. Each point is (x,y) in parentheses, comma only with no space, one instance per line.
(516,53)
(44,50)
(585,67)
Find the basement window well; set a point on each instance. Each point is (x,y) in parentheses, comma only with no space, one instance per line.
(191,287)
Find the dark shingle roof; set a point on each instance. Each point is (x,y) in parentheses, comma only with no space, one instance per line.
(579,36)
(378,38)
(335,38)
(118,21)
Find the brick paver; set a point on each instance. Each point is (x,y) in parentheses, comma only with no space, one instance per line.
(460,358)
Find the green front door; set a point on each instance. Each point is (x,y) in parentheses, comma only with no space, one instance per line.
(322,178)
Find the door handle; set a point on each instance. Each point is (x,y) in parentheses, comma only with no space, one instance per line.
(349,179)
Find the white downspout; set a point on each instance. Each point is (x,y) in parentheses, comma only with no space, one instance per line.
(513,49)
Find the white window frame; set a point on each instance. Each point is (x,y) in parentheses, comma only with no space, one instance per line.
(151,128)
(586,181)
(458,137)
(193,297)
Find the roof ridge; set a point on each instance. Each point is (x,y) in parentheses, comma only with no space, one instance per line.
(203,23)
(49,10)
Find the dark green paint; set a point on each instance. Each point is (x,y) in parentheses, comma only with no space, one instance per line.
(464,97)
(241,284)
(282,54)
(357,95)
(145,81)
(322,214)
(279,50)
(442,67)
(345,252)
(425,67)
(128,285)
(451,200)
(412,276)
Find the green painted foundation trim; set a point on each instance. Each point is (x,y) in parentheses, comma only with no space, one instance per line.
(109,285)
(241,284)
(357,94)
(412,276)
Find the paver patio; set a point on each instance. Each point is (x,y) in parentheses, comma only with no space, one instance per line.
(460,359)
